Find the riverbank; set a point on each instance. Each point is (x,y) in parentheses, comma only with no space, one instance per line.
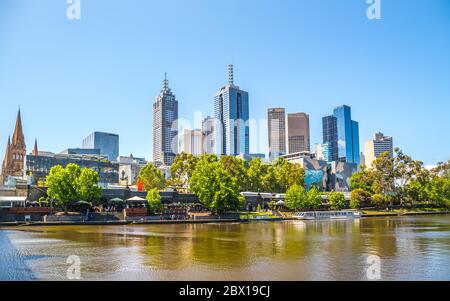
(365,214)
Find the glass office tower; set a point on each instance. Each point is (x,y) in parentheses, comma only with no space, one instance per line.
(347,134)
(330,137)
(107,143)
(231,111)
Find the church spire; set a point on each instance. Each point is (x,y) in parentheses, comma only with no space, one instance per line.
(18,137)
(7,155)
(35,149)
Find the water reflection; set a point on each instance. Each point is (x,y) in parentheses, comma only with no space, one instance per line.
(410,248)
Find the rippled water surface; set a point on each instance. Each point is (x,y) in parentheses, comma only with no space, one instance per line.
(410,248)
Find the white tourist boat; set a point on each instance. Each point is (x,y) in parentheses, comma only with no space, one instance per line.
(327,215)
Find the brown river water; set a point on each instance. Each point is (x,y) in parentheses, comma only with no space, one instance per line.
(409,248)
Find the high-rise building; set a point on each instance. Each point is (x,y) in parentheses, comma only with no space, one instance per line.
(231,110)
(276,118)
(330,137)
(15,153)
(165,126)
(107,143)
(208,126)
(192,142)
(379,145)
(348,135)
(298,138)
(323,152)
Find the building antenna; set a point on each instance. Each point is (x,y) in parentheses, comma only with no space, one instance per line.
(231,74)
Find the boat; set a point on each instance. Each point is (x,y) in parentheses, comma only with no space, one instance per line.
(327,215)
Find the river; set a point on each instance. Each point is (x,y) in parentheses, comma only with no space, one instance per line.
(409,248)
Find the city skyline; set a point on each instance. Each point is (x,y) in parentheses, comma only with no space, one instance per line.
(297,71)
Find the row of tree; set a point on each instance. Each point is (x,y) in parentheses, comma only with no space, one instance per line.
(218,182)
(401,180)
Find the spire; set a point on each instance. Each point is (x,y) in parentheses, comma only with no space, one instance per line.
(35,149)
(166,88)
(18,137)
(231,74)
(7,152)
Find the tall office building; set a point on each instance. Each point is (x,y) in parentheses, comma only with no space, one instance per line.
(298,137)
(276,118)
(208,126)
(231,110)
(330,137)
(348,135)
(165,126)
(107,143)
(379,145)
(192,142)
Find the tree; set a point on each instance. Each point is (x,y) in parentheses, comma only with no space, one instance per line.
(256,172)
(362,179)
(237,169)
(296,198)
(314,199)
(336,200)
(358,196)
(287,175)
(378,200)
(61,184)
(86,186)
(181,170)
(154,200)
(216,189)
(151,177)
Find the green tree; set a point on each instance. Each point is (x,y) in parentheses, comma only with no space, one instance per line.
(61,184)
(237,169)
(181,170)
(314,199)
(363,179)
(256,172)
(358,196)
(378,200)
(154,201)
(151,177)
(296,198)
(336,200)
(216,189)
(86,186)
(287,175)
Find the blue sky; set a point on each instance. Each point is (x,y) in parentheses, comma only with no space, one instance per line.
(104,71)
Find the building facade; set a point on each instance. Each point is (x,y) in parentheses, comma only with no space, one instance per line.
(330,137)
(298,137)
(107,143)
(192,142)
(276,118)
(129,168)
(231,110)
(209,140)
(348,135)
(15,152)
(38,166)
(379,145)
(165,126)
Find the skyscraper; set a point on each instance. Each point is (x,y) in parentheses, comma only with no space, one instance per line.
(276,118)
(374,148)
(348,135)
(165,126)
(107,143)
(231,110)
(208,126)
(192,142)
(330,137)
(15,153)
(298,133)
